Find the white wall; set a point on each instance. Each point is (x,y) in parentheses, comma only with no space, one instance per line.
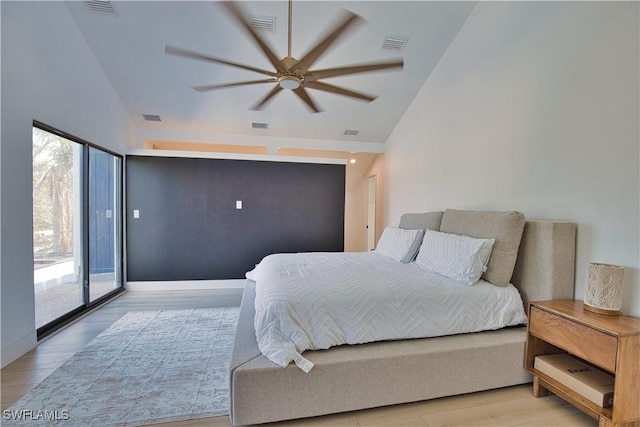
(534,108)
(48,74)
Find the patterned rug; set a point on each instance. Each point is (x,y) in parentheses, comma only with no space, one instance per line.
(148,367)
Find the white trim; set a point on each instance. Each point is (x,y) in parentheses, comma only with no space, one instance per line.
(18,348)
(234,156)
(184,285)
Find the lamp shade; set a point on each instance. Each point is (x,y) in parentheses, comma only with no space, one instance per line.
(604,285)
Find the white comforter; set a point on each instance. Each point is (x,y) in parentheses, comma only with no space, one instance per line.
(311,301)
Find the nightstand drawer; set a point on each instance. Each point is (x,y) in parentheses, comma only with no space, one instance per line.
(587,343)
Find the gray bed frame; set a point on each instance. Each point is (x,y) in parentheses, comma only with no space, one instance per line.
(348,378)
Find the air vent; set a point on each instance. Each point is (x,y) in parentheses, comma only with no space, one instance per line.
(256,125)
(394,43)
(100,6)
(152,117)
(263,23)
(351,132)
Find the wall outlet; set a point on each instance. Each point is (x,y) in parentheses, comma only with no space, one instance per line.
(238,204)
(136,213)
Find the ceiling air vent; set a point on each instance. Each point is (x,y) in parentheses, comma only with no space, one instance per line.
(100,6)
(351,132)
(394,43)
(152,117)
(256,125)
(263,23)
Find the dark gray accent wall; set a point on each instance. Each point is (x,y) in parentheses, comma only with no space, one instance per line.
(189,227)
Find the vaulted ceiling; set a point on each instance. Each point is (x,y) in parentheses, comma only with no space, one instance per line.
(130,45)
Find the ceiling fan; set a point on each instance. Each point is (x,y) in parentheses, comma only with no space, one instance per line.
(291,73)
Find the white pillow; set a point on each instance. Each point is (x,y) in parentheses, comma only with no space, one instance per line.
(461,258)
(399,244)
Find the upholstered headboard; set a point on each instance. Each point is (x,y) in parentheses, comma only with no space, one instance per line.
(545,266)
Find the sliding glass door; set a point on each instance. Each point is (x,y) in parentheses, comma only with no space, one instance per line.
(77,225)
(57,226)
(104,224)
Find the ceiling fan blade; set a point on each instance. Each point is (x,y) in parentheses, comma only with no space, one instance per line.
(233,9)
(206,88)
(347,21)
(339,91)
(170,50)
(304,95)
(267,98)
(354,69)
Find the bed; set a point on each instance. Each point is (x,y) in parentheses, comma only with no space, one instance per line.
(351,377)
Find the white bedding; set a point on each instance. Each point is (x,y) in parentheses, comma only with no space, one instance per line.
(312,301)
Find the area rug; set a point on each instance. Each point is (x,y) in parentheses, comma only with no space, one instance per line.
(148,367)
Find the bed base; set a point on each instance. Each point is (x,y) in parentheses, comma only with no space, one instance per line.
(348,378)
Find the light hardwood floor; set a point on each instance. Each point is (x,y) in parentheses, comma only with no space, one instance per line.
(512,406)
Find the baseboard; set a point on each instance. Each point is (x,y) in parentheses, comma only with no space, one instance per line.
(184,285)
(18,348)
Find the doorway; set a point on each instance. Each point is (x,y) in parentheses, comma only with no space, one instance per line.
(371,213)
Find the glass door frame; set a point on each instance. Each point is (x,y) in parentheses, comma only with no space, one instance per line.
(87,305)
(97,212)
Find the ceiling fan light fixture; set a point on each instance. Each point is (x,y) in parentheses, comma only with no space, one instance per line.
(289,82)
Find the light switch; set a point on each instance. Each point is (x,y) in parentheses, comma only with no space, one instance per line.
(136,213)
(238,204)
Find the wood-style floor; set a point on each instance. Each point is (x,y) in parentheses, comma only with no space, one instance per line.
(512,406)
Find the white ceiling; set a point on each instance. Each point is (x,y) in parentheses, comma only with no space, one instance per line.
(130,48)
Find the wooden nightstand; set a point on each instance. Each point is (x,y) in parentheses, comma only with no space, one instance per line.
(609,342)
